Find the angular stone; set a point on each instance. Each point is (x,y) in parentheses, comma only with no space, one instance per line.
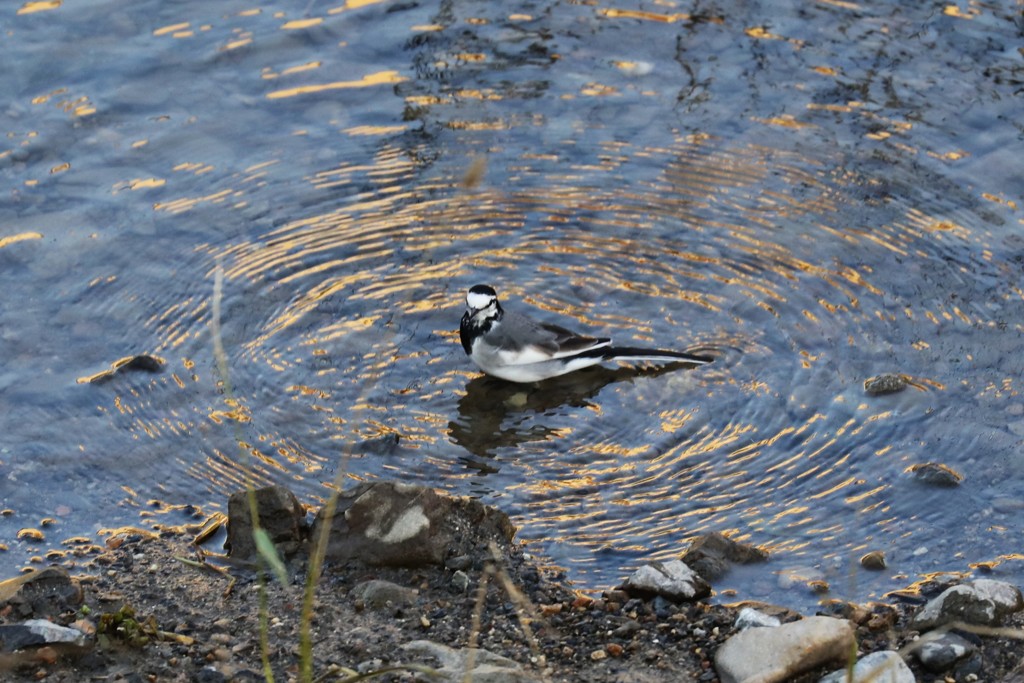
(984,602)
(280,514)
(38,633)
(404,525)
(46,592)
(942,653)
(711,554)
(885,666)
(768,655)
(673,580)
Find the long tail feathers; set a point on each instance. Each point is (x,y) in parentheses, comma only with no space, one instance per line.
(628,353)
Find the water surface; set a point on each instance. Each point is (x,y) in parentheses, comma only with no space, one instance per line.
(814,193)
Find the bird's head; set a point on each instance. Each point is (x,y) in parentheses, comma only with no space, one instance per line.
(482,303)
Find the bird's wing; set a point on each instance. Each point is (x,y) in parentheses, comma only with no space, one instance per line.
(568,343)
(522,340)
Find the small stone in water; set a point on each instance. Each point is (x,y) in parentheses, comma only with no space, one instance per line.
(873,560)
(889,383)
(936,474)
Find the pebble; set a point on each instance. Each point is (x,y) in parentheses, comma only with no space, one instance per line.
(459,562)
(1007,504)
(460,581)
(377,593)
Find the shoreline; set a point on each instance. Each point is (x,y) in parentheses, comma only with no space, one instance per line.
(486,600)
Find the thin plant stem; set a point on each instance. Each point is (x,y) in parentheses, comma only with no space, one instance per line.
(221,358)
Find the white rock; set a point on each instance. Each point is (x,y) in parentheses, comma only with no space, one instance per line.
(940,653)
(767,655)
(52,633)
(1006,597)
(487,666)
(984,602)
(750,618)
(878,667)
(673,580)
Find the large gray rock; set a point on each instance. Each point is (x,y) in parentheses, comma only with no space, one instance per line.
(767,655)
(672,580)
(712,554)
(983,602)
(280,514)
(878,667)
(404,525)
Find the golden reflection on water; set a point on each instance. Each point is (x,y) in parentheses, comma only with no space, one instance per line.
(39,6)
(367,81)
(370,284)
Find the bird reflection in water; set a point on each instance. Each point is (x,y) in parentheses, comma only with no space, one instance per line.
(497,414)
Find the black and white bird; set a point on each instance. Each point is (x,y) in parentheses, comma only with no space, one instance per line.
(517,348)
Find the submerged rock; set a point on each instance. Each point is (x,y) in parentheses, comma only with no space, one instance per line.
(142,361)
(888,383)
(781,653)
(935,474)
(711,555)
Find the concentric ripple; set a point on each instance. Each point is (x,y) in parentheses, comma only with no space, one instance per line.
(687,182)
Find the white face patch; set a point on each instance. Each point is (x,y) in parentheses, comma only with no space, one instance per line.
(478,302)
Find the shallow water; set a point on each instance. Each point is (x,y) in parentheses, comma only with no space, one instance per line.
(815,194)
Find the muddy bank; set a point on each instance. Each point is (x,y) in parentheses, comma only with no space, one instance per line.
(150,607)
